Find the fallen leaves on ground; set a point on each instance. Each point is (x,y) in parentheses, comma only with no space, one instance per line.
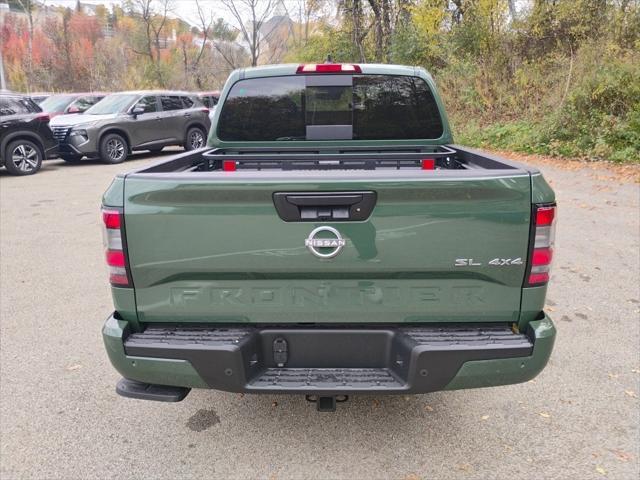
(622,456)
(601,470)
(544,414)
(77,366)
(485,417)
(631,393)
(428,408)
(626,172)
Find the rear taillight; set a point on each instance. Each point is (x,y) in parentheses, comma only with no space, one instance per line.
(328,68)
(543,229)
(115,255)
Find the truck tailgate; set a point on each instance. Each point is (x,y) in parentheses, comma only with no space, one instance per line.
(212,248)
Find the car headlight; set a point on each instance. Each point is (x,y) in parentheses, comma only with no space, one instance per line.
(80,132)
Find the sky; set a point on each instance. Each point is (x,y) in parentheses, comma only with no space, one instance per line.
(184,9)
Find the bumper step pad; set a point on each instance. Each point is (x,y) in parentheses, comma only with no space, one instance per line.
(351,378)
(187,336)
(330,360)
(145,391)
(480,337)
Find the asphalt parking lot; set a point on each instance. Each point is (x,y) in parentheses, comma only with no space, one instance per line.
(60,416)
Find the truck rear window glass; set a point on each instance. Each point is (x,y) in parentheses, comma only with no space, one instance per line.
(379,107)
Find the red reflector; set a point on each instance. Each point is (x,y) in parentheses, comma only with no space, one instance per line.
(118,279)
(545,216)
(111,218)
(538,278)
(115,258)
(229,165)
(428,164)
(205,110)
(329,68)
(542,256)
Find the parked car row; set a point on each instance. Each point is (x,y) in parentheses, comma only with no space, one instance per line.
(99,125)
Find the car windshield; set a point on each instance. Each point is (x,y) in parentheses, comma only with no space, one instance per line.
(57,103)
(112,104)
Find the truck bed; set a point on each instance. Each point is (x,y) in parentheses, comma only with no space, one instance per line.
(447,159)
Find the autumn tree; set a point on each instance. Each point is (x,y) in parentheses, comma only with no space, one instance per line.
(250,18)
(154,18)
(28,7)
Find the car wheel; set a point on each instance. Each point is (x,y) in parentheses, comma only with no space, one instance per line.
(23,157)
(113,148)
(71,158)
(196,138)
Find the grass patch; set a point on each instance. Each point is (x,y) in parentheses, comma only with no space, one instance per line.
(612,139)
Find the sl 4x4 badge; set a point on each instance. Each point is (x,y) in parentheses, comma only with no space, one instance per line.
(495,262)
(325,242)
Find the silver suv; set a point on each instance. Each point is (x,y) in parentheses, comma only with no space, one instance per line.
(129,121)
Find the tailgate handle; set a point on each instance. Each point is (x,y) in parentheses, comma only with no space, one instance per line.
(327,206)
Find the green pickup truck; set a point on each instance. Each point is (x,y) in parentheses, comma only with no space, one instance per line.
(330,240)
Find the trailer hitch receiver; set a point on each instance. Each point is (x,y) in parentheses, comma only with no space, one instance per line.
(326,403)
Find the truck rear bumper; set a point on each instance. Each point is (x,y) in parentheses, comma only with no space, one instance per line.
(329,360)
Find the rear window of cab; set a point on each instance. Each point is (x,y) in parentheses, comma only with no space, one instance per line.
(362,107)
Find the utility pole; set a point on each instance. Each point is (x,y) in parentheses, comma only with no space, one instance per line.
(3,83)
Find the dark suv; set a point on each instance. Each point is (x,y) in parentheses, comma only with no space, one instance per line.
(25,137)
(129,121)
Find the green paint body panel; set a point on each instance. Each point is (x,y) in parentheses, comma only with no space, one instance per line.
(490,373)
(216,251)
(532,304)
(541,192)
(159,371)
(124,301)
(114,196)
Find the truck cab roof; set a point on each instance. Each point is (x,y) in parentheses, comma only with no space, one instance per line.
(291,69)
